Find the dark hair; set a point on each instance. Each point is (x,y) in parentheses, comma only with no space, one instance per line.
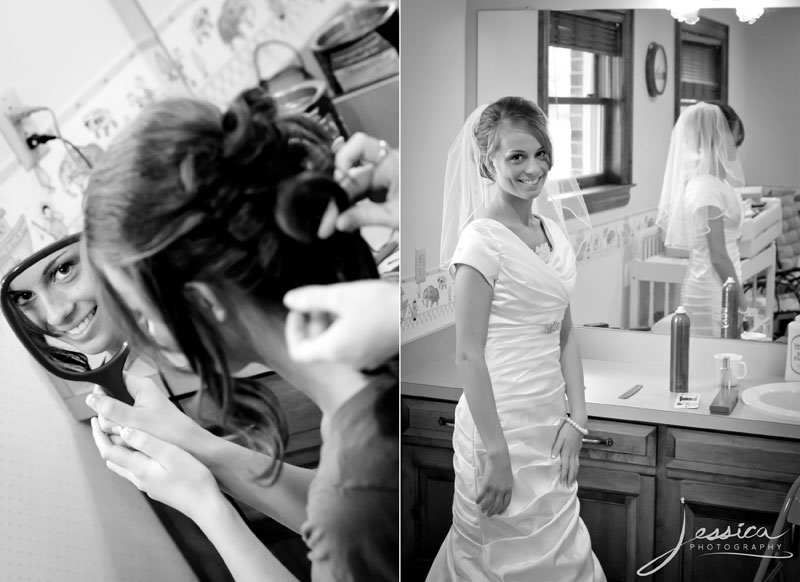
(733,121)
(515,111)
(187,194)
(72,361)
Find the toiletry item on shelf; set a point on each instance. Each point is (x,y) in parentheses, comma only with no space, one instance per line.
(734,366)
(727,397)
(730,309)
(679,351)
(793,350)
(725,379)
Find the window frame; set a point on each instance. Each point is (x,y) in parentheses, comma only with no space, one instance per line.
(610,189)
(716,33)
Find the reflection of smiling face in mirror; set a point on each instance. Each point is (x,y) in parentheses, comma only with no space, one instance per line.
(520,163)
(57,295)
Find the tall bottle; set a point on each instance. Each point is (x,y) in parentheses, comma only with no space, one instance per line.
(729,327)
(679,351)
(793,350)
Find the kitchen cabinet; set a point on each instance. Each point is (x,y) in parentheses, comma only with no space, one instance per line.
(630,490)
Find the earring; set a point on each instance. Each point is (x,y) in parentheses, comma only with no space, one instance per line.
(219,313)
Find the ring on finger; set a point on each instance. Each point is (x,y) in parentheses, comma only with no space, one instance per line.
(383,151)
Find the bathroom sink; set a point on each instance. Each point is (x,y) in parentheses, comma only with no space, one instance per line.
(779,400)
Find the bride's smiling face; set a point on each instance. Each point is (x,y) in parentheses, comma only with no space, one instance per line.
(520,163)
(58,296)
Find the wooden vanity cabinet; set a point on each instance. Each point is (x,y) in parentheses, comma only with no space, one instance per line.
(426,490)
(724,480)
(630,492)
(617,489)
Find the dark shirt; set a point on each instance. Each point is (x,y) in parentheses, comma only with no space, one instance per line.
(352,526)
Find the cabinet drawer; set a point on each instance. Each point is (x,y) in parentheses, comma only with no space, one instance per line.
(428,419)
(629,443)
(732,454)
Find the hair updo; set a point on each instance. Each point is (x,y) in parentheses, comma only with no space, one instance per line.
(188,194)
(516,112)
(733,120)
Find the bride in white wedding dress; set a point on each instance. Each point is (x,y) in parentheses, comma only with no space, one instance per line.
(517,438)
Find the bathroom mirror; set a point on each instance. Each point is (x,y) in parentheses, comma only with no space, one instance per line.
(50,303)
(497,40)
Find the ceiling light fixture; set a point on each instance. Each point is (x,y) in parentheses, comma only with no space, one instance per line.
(688,10)
(749,12)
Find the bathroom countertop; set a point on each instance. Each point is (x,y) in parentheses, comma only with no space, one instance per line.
(428,371)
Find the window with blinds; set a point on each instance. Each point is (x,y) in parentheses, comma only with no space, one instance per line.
(701,72)
(585,58)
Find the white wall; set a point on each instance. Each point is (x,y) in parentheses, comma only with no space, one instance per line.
(768,80)
(63,515)
(431,112)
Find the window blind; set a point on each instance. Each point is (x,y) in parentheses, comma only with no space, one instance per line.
(577,31)
(700,71)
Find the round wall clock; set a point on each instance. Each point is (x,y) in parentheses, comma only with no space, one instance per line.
(656,69)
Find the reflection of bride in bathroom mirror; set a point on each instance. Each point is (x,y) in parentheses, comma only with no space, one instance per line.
(700,212)
(640,288)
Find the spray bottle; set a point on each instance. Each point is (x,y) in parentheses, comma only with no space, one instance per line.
(679,351)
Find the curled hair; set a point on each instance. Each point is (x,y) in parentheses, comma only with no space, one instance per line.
(234,200)
(509,111)
(733,120)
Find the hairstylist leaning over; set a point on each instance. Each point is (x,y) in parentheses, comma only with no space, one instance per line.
(234,204)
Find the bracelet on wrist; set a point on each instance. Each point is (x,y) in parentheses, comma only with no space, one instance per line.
(576,426)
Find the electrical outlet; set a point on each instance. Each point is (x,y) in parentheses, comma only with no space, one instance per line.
(16,133)
(420,271)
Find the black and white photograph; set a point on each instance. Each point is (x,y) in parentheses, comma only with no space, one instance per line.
(599,375)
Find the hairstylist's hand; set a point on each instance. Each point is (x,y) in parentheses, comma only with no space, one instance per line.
(498,481)
(356,322)
(567,445)
(365,164)
(165,472)
(152,412)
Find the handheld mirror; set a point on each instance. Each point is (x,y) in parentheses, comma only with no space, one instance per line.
(50,302)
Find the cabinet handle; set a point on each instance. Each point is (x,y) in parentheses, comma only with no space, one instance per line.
(608,442)
(446,422)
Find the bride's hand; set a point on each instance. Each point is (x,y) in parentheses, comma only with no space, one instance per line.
(498,481)
(568,445)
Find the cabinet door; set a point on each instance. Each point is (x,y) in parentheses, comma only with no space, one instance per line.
(618,508)
(713,505)
(722,483)
(427,505)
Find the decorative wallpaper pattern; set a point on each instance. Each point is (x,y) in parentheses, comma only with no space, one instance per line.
(210,44)
(428,306)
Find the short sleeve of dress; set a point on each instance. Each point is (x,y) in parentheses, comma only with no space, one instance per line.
(708,198)
(478,249)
